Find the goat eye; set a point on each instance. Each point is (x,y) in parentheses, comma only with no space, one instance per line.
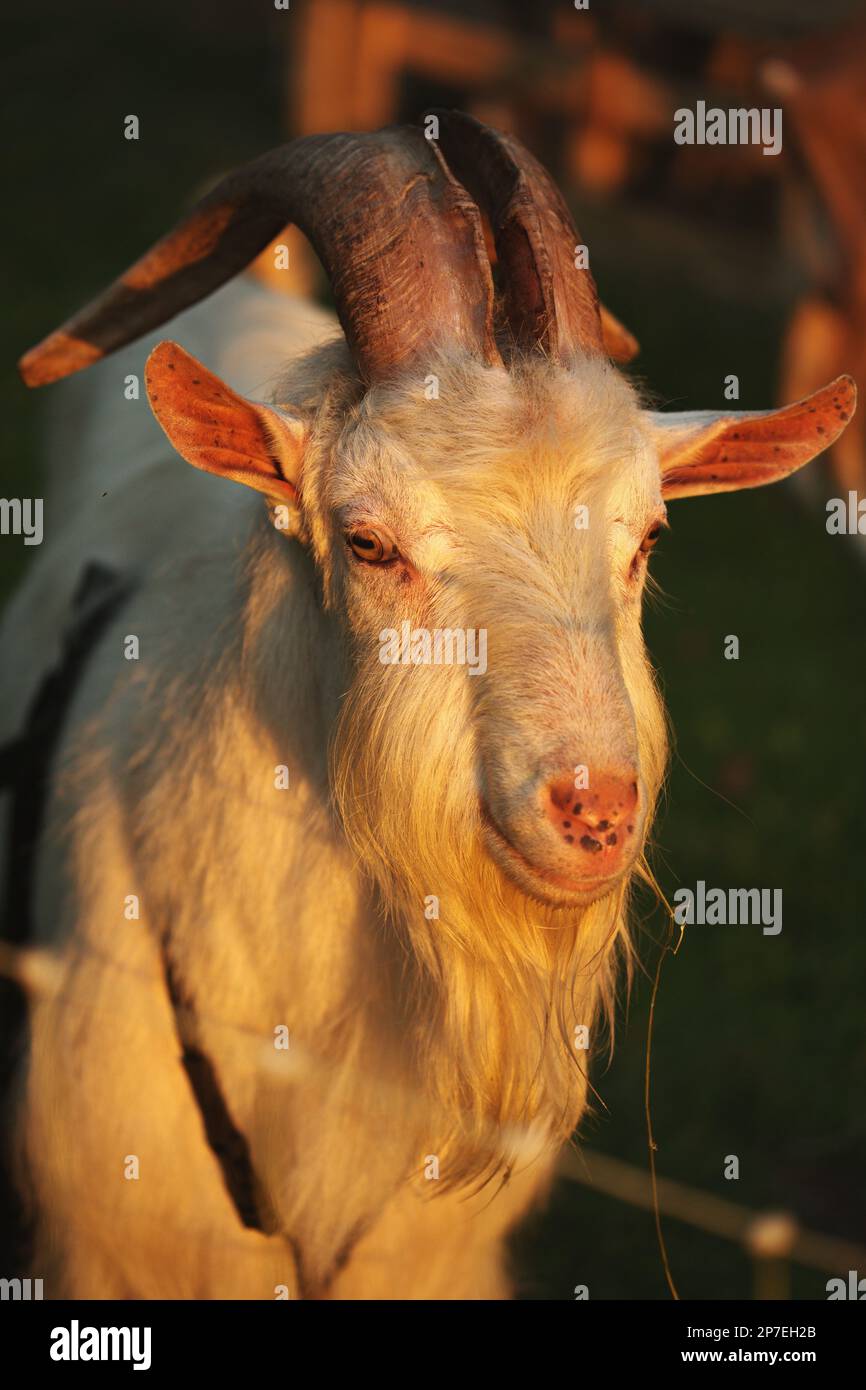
(375,545)
(650,539)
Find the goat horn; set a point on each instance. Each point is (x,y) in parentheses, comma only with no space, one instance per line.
(550,303)
(400,239)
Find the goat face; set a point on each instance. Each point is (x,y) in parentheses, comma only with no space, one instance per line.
(517,508)
(509,512)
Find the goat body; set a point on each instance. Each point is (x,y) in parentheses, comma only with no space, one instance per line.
(167,794)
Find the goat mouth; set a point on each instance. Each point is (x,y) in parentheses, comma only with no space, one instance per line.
(550,888)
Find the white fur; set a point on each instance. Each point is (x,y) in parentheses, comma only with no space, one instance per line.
(411,1037)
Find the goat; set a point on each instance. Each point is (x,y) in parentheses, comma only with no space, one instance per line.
(369,904)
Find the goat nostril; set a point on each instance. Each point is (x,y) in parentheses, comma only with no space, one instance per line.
(603,818)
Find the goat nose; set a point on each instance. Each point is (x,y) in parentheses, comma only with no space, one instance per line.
(598,819)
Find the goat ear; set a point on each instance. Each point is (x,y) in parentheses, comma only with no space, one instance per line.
(619,344)
(215,429)
(701,453)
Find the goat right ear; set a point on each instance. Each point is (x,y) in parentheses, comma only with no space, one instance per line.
(219,431)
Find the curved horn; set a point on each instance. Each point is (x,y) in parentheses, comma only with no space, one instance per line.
(400,240)
(550,303)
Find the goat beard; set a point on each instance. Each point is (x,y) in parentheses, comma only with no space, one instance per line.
(499,983)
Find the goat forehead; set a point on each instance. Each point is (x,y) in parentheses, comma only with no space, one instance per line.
(492,451)
(547,494)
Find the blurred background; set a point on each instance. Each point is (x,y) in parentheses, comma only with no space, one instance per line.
(721,260)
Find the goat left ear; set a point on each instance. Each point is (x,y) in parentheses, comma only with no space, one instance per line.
(219,431)
(619,344)
(701,452)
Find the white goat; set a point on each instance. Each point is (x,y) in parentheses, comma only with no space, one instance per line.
(431,907)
